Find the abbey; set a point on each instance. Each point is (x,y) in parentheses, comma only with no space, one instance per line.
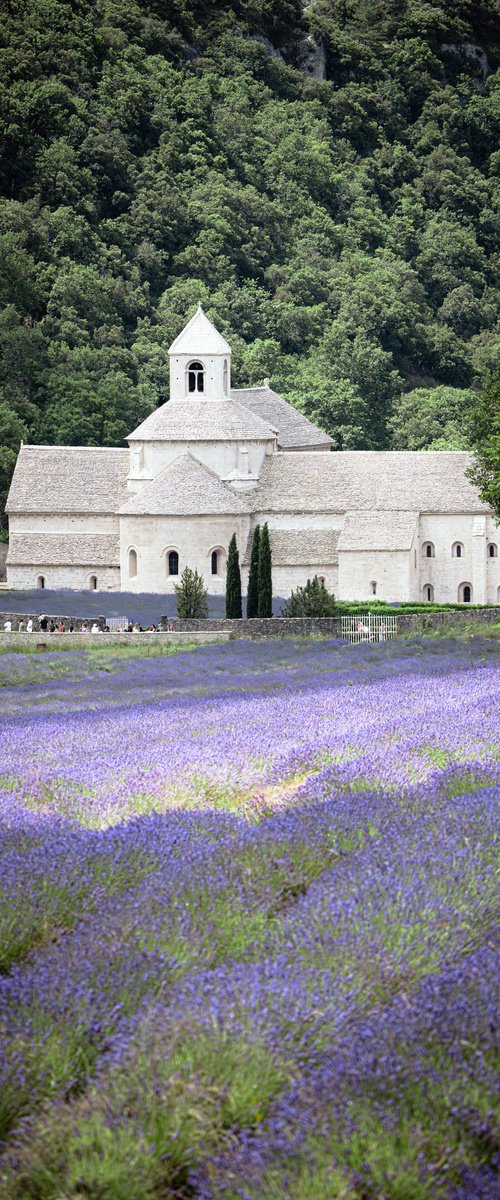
(216,460)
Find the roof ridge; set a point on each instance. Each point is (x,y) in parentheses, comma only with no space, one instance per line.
(258,387)
(74,449)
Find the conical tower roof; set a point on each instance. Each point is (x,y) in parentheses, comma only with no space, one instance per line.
(199,336)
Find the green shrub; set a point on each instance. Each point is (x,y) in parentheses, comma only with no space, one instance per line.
(313,600)
(192,596)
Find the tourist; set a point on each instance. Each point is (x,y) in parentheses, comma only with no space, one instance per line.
(8,626)
(44,623)
(20,628)
(29,627)
(52,627)
(95,628)
(71,628)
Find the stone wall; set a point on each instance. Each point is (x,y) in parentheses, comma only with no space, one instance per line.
(420,622)
(292,627)
(88,641)
(77,578)
(274,627)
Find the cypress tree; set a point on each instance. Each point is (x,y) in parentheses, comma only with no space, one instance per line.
(253,578)
(265,606)
(233,581)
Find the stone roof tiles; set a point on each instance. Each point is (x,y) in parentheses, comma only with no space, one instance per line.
(202,421)
(411,481)
(60,550)
(300,547)
(76,479)
(294,430)
(378,531)
(199,337)
(185,488)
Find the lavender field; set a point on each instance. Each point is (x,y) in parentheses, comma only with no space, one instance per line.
(249,923)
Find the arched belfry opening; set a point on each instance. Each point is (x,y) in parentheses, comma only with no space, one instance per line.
(195,378)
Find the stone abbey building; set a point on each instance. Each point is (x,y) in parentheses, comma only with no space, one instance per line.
(216,460)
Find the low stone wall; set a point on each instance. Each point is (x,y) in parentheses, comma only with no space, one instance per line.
(419,622)
(293,627)
(88,641)
(258,627)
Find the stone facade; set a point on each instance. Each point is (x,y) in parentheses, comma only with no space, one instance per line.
(215,461)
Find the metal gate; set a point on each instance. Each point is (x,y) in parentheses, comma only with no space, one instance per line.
(369,627)
(117,624)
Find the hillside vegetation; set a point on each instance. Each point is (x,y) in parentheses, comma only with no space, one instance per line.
(323,178)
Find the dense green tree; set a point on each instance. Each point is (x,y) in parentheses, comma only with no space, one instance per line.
(192,595)
(342,231)
(12,432)
(253,576)
(431,419)
(233,582)
(484,431)
(265,582)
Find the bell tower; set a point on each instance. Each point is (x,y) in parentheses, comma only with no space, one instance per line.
(200,362)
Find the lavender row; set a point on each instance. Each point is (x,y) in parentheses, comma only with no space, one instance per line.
(320,851)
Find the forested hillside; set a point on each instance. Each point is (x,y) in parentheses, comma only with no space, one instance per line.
(323,178)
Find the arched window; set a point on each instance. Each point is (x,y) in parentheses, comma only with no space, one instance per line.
(457,550)
(225,377)
(428,592)
(40,581)
(373,588)
(321,580)
(217,557)
(465,593)
(428,550)
(93,583)
(132,564)
(492,550)
(173,562)
(196,377)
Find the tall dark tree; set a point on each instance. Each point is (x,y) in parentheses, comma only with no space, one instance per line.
(233,581)
(253,578)
(265,607)
(484,433)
